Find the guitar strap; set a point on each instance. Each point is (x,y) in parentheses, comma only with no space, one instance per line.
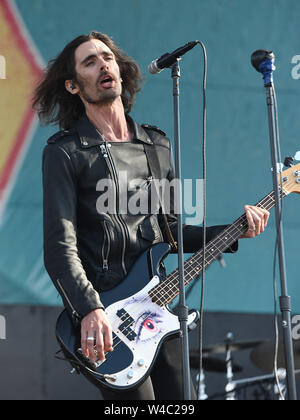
(153,162)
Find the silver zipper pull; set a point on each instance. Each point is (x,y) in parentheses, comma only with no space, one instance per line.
(103,150)
(105,264)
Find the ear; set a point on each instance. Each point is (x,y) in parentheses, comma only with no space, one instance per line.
(71,87)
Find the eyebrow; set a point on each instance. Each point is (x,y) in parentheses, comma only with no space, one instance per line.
(89,57)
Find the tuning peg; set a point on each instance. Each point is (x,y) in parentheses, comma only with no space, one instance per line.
(289,161)
(297,156)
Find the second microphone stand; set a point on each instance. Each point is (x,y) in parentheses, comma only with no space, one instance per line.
(263,61)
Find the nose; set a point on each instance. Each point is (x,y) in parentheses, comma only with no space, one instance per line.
(103,64)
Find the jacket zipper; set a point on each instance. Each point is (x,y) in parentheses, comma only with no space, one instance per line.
(106,154)
(146,183)
(105,256)
(75,314)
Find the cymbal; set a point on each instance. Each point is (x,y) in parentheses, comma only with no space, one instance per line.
(263,356)
(212,364)
(235,346)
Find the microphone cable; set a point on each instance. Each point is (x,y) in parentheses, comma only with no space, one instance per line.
(275,362)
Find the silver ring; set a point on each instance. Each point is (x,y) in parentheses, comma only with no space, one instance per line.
(90,339)
(252,230)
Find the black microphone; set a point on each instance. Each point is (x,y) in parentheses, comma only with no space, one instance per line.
(263,62)
(167,60)
(259,56)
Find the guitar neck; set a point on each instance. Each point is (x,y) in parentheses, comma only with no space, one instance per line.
(165,292)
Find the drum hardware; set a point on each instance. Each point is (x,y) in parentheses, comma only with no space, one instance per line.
(263,356)
(226,366)
(212,364)
(269,381)
(203,396)
(229,372)
(234,346)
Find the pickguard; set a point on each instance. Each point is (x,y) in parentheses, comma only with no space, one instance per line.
(141,325)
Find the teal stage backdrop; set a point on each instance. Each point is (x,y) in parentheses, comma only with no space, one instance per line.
(238,153)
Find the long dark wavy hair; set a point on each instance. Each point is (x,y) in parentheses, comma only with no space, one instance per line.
(54,104)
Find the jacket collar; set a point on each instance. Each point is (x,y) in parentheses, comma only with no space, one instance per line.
(89,135)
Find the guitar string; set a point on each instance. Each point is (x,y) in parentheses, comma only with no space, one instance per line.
(242,221)
(118,340)
(270,201)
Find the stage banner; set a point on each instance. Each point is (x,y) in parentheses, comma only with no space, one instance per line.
(32,32)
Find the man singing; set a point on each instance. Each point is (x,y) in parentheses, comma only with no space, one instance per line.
(89,90)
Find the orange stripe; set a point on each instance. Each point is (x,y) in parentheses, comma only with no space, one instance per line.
(29,113)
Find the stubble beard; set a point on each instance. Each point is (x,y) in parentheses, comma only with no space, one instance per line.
(101,97)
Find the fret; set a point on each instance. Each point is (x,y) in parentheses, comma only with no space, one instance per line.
(166,291)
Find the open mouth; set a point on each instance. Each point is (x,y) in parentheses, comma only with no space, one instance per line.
(107,81)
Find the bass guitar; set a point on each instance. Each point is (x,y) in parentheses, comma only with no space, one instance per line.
(138,307)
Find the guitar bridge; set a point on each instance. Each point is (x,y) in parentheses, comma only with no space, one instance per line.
(91,365)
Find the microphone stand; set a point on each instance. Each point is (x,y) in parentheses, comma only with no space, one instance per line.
(263,62)
(182,308)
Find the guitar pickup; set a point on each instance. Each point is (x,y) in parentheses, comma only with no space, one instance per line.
(126,325)
(123,315)
(128,332)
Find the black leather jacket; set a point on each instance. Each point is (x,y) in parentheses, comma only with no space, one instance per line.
(88,250)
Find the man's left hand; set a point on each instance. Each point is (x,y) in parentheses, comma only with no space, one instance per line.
(257,221)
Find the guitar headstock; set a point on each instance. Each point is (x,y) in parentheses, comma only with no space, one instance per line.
(291,179)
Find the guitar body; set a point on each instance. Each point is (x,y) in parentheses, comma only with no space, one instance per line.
(138,307)
(140,326)
(141,320)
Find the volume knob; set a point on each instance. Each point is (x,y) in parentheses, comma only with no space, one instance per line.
(141,362)
(130,374)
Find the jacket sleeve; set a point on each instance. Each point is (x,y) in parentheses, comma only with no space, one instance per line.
(61,257)
(192,235)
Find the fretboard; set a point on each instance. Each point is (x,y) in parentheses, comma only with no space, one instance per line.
(166,291)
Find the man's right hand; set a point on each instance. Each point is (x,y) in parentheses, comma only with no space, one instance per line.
(96,334)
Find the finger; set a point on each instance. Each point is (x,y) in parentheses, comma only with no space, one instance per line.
(258,219)
(257,210)
(108,339)
(100,346)
(254,224)
(266,217)
(90,343)
(251,223)
(84,348)
(263,214)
